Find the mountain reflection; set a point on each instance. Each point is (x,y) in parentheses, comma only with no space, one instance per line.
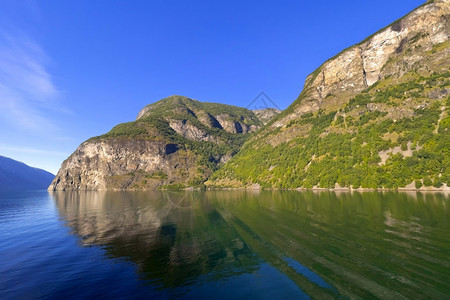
(173,237)
(329,244)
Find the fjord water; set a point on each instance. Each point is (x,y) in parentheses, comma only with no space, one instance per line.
(227,244)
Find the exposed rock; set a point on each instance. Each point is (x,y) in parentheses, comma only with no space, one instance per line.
(119,164)
(235,126)
(439,93)
(225,158)
(384,155)
(265,115)
(208,120)
(255,187)
(143,111)
(189,131)
(362,65)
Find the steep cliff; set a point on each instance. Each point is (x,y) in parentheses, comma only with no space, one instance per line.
(375,115)
(174,143)
(400,48)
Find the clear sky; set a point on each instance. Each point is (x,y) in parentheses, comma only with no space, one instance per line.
(70,70)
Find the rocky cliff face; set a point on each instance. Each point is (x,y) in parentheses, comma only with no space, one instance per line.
(117,163)
(375,115)
(174,143)
(393,51)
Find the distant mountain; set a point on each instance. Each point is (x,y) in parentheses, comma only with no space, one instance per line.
(15,175)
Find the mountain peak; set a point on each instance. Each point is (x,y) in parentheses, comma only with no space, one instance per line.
(170,99)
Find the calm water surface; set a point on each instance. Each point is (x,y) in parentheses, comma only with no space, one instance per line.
(264,245)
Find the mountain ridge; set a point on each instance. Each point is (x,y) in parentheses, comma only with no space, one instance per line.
(16,175)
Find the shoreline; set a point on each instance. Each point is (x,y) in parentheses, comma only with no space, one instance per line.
(443,189)
(409,188)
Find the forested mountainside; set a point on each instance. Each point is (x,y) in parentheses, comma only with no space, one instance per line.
(374,116)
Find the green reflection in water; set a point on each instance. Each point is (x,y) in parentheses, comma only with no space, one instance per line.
(353,245)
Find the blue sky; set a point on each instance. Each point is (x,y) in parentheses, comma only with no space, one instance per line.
(70,70)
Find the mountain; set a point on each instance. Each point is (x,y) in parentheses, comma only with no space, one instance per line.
(374,116)
(15,175)
(176,142)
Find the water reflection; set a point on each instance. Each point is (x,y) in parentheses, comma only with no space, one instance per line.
(173,237)
(330,244)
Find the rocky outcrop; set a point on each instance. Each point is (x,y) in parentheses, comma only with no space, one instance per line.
(189,131)
(393,51)
(233,126)
(266,114)
(121,164)
(208,120)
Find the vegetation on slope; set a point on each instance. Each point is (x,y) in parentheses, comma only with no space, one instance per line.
(345,146)
(374,116)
